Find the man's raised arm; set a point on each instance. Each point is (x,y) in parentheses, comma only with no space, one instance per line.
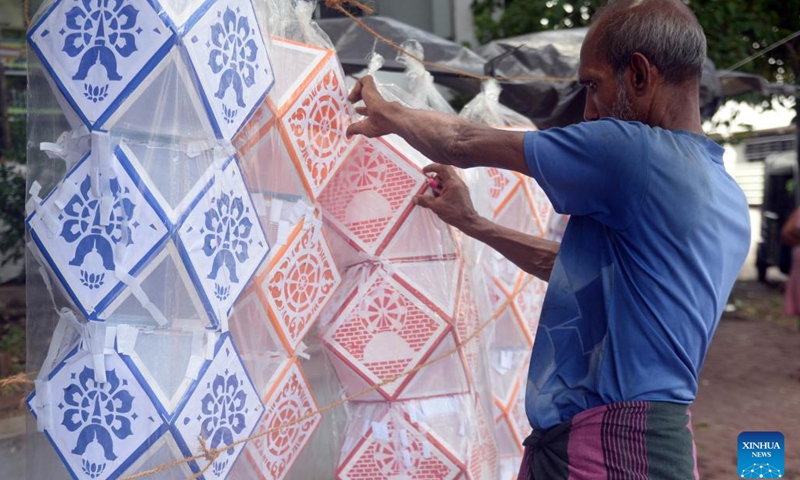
(453,205)
(445,139)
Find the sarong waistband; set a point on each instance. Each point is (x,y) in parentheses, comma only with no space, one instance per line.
(628,440)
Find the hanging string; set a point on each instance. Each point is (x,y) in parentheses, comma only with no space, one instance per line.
(760,53)
(26,9)
(211,454)
(339,5)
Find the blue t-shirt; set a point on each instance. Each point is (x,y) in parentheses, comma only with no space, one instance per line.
(658,234)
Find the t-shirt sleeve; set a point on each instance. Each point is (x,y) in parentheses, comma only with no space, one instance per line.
(597,169)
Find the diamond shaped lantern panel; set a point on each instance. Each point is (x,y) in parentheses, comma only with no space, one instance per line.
(482,458)
(223,408)
(266,162)
(280,442)
(221,241)
(511,421)
(467,322)
(507,356)
(519,214)
(227,53)
(175,177)
(98,52)
(528,305)
(167,361)
(165,296)
(98,426)
(257,340)
(502,185)
(298,283)
(165,107)
(540,203)
(99,226)
(503,278)
(381,331)
(421,235)
(394,447)
(311,103)
(371,195)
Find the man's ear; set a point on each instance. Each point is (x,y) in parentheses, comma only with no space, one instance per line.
(642,74)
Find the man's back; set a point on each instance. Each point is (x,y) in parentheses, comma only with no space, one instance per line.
(651,253)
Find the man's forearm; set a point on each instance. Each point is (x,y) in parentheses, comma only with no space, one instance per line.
(532,254)
(451,140)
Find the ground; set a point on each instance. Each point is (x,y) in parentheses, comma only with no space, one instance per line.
(750,381)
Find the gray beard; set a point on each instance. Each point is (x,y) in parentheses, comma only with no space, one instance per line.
(623,108)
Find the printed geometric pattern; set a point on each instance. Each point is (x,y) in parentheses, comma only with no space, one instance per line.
(314,113)
(502,185)
(221,241)
(371,195)
(467,321)
(95,224)
(298,283)
(274,453)
(383,330)
(504,274)
(539,203)
(223,409)
(511,421)
(98,51)
(227,51)
(519,214)
(98,429)
(528,305)
(400,451)
(482,459)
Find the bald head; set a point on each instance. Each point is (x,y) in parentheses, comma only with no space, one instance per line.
(664,31)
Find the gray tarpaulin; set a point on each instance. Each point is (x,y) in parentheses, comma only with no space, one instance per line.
(555,53)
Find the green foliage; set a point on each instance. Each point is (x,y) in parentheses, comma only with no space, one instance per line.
(735,29)
(493,21)
(12,342)
(12,214)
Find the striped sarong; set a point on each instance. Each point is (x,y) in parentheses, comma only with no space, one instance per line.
(621,441)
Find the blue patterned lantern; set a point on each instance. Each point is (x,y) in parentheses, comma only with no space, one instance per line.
(223,409)
(98,427)
(221,241)
(97,227)
(97,51)
(227,53)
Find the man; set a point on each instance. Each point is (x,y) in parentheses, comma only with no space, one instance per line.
(657,235)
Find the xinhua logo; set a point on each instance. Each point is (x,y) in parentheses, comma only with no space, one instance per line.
(761,455)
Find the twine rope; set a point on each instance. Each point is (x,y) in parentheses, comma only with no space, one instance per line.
(339,5)
(20,379)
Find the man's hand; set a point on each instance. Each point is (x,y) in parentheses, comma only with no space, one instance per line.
(375,110)
(453,204)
